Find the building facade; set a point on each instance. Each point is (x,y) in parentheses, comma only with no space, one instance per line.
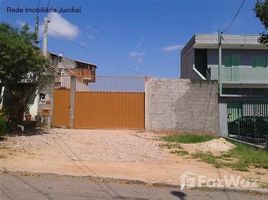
(63,69)
(243,103)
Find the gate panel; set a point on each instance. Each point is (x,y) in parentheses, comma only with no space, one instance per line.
(248,121)
(109,110)
(61,108)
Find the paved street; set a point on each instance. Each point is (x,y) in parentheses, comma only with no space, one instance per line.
(52,187)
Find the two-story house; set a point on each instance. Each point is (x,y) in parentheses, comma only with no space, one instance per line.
(64,68)
(243,102)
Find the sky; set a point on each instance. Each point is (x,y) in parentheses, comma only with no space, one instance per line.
(130,37)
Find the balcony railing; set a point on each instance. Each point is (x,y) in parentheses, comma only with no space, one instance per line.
(241,75)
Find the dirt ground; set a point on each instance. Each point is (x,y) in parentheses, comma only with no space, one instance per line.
(121,154)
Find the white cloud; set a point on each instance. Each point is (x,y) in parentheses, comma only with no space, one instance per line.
(137,56)
(172,48)
(140,43)
(58,27)
(82,43)
(20,23)
(91,31)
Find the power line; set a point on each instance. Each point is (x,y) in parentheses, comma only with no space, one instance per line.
(98,55)
(236,14)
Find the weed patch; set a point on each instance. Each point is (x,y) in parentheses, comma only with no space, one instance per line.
(187,139)
(208,158)
(180,152)
(240,158)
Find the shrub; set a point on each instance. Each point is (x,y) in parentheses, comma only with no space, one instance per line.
(3,123)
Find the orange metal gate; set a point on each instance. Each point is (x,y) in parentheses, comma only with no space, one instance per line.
(109,110)
(61,108)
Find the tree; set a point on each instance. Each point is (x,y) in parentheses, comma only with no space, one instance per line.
(23,70)
(261,10)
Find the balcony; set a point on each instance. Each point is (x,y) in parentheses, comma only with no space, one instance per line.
(241,75)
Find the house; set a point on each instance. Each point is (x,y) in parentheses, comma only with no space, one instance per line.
(243,102)
(64,68)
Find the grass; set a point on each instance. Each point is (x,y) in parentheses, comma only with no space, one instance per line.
(248,156)
(264,185)
(187,139)
(171,146)
(208,158)
(241,158)
(180,152)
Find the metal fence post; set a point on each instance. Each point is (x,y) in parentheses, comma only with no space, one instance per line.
(266,145)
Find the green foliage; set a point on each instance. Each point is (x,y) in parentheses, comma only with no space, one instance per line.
(3,123)
(240,158)
(248,156)
(261,10)
(208,158)
(264,185)
(180,152)
(3,126)
(188,138)
(23,69)
(171,145)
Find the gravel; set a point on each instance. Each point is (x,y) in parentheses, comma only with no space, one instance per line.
(97,145)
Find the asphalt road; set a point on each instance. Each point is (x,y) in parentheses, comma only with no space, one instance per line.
(52,187)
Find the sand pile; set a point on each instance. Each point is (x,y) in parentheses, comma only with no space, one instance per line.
(215,146)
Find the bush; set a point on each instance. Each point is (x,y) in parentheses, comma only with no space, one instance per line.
(3,123)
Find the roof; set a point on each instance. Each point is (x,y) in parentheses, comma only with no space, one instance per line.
(78,61)
(210,41)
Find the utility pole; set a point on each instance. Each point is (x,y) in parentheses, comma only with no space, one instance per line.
(220,62)
(46,110)
(46,21)
(36,31)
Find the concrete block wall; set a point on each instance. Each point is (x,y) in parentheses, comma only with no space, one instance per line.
(181,106)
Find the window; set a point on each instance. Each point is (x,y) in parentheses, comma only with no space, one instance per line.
(259,61)
(227,61)
(54,60)
(231,60)
(42,97)
(235,60)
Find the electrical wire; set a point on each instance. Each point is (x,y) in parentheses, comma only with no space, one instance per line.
(236,14)
(98,55)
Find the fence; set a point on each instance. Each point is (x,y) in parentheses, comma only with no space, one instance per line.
(110,102)
(248,122)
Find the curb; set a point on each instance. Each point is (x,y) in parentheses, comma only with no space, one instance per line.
(253,191)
